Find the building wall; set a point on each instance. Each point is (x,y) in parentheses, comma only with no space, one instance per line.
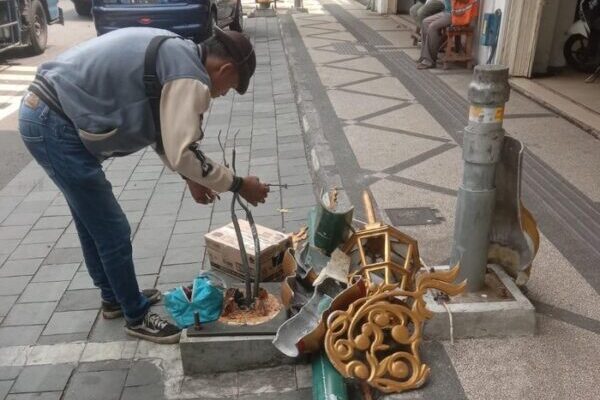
(489,6)
(557,17)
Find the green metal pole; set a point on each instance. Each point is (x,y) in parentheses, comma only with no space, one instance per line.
(328,384)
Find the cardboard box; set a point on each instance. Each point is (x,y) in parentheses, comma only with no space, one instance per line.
(224,252)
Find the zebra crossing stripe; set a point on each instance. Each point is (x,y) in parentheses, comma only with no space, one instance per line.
(14,81)
(15,87)
(22,68)
(6,99)
(16,77)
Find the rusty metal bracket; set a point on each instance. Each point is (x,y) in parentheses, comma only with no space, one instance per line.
(514,237)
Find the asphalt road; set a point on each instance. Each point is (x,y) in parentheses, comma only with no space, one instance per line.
(16,68)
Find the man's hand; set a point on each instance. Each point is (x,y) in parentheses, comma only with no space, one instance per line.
(201,194)
(253,191)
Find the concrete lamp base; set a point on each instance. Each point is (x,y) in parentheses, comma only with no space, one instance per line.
(218,347)
(483,314)
(218,354)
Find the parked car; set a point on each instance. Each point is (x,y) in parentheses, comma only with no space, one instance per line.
(83,7)
(193,19)
(24,23)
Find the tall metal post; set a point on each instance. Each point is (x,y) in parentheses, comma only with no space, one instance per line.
(482,142)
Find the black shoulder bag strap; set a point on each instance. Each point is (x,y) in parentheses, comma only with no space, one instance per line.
(152,85)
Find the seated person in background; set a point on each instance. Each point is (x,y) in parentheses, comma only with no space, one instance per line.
(423,9)
(432,36)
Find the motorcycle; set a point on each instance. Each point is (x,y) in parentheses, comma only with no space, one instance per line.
(581,50)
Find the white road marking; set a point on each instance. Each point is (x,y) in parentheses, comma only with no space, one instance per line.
(7,99)
(16,87)
(12,87)
(15,77)
(22,68)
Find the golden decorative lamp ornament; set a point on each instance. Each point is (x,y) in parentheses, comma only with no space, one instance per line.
(383,254)
(377,338)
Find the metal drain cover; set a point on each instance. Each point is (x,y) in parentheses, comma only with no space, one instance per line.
(413,216)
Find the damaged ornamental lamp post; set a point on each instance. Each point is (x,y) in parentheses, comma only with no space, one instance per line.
(376,339)
(251,294)
(255,298)
(369,322)
(482,144)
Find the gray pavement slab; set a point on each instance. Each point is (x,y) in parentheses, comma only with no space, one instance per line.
(191,226)
(29,314)
(143,373)
(13,285)
(140,194)
(64,256)
(42,378)
(54,273)
(81,280)
(5,387)
(37,250)
(59,222)
(7,246)
(42,236)
(186,240)
(13,232)
(6,302)
(9,373)
(184,255)
(147,281)
(20,267)
(109,330)
(71,322)
(43,291)
(68,239)
(21,219)
(100,385)
(147,266)
(19,335)
(76,300)
(179,273)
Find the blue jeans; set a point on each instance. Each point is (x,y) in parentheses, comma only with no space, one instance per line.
(103,229)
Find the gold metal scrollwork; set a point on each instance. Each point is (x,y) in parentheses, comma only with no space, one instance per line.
(377,338)
(382,254)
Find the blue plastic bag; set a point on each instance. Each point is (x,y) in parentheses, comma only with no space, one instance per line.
(207,300)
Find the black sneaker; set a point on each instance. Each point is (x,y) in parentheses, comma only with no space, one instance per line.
(113,310)
(155,329)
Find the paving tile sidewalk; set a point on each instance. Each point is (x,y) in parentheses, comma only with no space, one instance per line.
(54,344)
